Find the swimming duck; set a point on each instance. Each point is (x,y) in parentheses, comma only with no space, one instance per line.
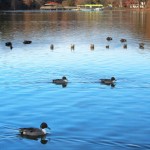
(27,42)
(9,44)
(34,132)
(123,40)
(109,38)
(108,81)
(141,45)
(107,46)
(92,46)
(125,46)
(72,46)
(60,81)
(51,46)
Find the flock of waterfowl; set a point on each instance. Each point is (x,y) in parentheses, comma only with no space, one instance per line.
(39,132)
(64,81)
(10,45)
(72,47)
(35,132)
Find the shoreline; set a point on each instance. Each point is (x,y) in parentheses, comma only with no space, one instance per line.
(73,8)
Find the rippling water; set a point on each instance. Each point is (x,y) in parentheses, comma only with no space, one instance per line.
(85,114)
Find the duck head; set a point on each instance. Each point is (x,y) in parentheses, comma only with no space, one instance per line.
(113,79)
(64,78)
(44,125)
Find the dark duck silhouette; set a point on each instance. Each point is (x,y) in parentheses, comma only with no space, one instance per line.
(123,40)
(125,46)
(109,38)
(52,47)
(72,46)
(141,45)
(9,44)
(108,81)
(107,46)
(27,42)
(62,81)
(34,132)
(92,46)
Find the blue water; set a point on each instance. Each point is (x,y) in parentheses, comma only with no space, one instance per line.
(85,114)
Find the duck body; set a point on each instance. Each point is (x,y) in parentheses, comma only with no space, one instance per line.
(123,40)
(9,44)
(141,45)
(64,80)
(34,132)
(108,81)
(51,46)
(27,42)
(72,46)
(125,46)
(109,38)
(92,46)
(107,46)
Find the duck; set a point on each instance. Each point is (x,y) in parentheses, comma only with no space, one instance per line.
(34,132)
(64,80)
(51,46)
(72,46)
(107,46)
(108,81)
(109,38)
(141,45)
(125,46)
(92,46)
(123,40)
(9,44)
(27,42)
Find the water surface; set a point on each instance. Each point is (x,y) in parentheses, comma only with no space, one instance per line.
(85,114)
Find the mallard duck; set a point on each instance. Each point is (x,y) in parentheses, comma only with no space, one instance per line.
(51,46)
(72,46)
(33,132)
(107,46)
(92,46)
(141,45)
(62,81)
(109,38)
(123,40)
(125,46)
(9,44)
(27,42)
(108,81)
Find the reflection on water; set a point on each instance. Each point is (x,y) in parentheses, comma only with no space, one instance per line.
(26,22)
(85,114)
(42,139)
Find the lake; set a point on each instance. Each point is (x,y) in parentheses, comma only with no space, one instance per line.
(85,114)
